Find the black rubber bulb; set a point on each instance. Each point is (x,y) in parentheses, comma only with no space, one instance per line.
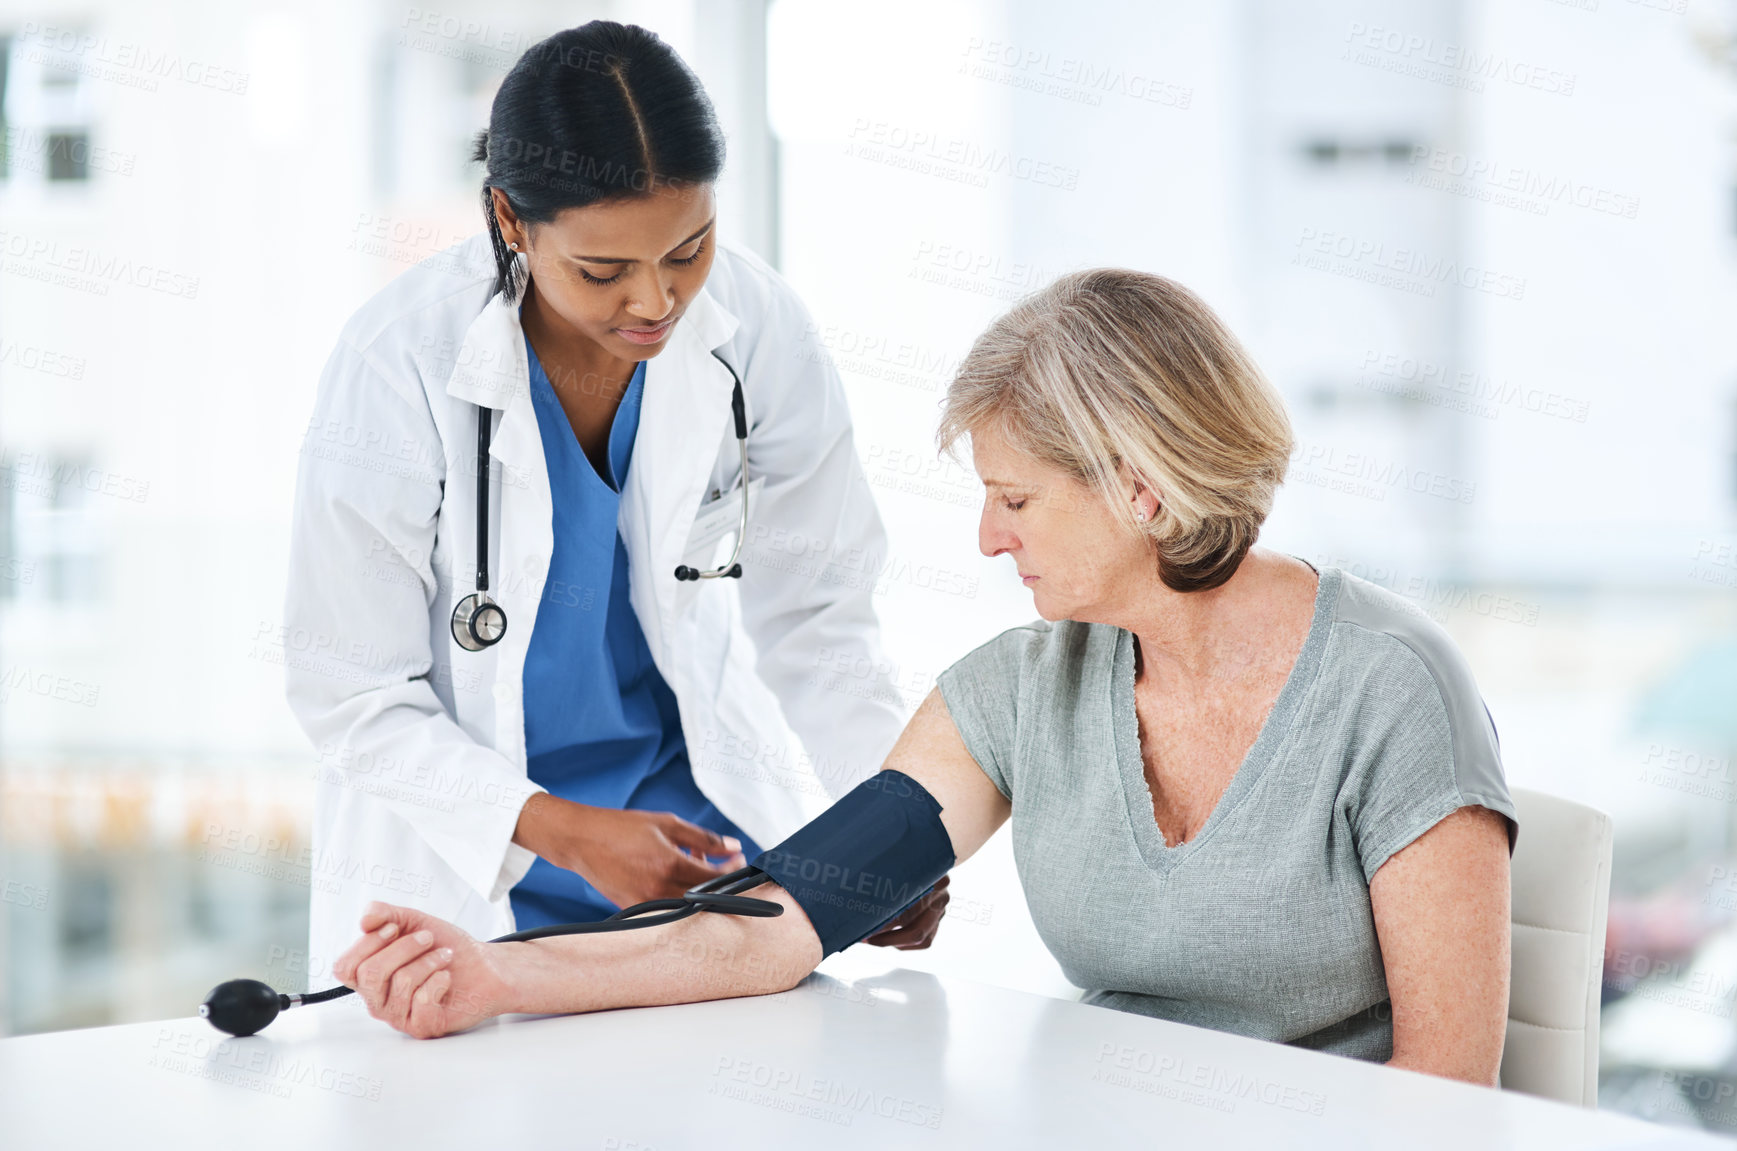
(242,1006)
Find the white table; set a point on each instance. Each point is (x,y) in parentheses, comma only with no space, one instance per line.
(886,1058)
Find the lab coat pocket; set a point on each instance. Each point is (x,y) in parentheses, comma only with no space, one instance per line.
(717,519)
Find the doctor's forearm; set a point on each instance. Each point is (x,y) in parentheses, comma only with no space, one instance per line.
(706,956)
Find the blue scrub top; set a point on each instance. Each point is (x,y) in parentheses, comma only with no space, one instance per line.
(601,725)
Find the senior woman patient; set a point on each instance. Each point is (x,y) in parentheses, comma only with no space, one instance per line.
(1245,793)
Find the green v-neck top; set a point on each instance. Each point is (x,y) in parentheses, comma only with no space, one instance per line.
(1261,924)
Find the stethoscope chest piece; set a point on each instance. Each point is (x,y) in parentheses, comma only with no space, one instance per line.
(478,622)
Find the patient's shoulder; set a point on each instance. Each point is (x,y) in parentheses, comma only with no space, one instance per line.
(1397,652)
(1038,650)
(1027,678)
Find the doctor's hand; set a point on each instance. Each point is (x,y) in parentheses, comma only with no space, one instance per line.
(423,975)
(915,929)
(628,856)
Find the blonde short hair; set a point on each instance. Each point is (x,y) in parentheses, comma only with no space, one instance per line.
(1112,368)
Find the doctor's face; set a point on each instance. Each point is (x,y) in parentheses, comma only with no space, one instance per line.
(1078,559)
(622,272)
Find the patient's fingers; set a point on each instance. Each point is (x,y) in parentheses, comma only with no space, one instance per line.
(381,923)
(429,1015)
(366,947)
(410,979)
(374,974)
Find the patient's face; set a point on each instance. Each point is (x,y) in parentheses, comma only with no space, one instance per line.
(1078,559)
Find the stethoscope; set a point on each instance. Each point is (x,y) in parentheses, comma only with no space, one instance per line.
(479,622)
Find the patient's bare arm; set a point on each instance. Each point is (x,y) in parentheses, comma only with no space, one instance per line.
(427,977)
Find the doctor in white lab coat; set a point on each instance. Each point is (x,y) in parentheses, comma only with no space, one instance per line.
(785,698)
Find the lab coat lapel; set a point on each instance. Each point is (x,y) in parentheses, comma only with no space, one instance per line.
(491,368)
(683,413)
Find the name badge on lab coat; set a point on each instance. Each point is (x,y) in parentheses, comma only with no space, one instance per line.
(719,518)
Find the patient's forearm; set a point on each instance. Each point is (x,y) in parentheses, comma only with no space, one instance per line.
(705,956)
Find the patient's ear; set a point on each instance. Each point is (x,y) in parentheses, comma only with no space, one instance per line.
(1145,501)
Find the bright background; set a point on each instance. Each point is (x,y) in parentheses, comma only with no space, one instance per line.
(1487,249)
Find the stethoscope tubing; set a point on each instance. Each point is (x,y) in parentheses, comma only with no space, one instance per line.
(483,420)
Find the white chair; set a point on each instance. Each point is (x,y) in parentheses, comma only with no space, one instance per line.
(1561,895)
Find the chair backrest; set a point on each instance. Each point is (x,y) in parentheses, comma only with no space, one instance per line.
(1561,895)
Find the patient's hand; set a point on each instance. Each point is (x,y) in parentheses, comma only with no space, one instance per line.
(423,975)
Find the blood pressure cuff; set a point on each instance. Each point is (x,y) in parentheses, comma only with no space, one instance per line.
(864,860)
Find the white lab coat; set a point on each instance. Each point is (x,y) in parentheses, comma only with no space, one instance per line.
(786,699)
